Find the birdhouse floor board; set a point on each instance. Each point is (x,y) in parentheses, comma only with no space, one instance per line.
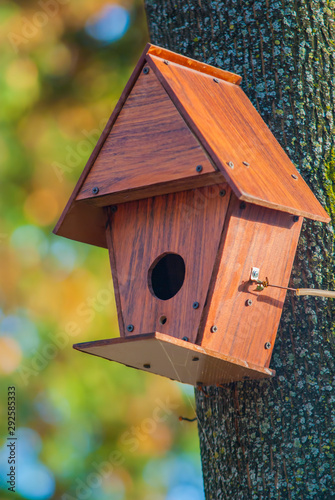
(174,358)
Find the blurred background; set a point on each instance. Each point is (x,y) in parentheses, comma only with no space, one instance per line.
(86,428)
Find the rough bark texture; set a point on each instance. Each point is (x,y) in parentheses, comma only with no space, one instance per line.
(275,439)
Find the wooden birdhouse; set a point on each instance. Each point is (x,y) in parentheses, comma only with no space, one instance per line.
(189,191)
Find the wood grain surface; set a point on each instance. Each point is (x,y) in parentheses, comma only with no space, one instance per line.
(232,132)
(149,144)
(168,55)
(253,237)
(189,224)
(173,358)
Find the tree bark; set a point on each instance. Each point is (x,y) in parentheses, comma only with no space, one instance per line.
(275,439)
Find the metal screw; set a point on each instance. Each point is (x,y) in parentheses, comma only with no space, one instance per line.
(95,190)
(130,328)
(199,168)
(267,345)
(295,218)
(223,193)
(248,302)
(245,163)
(147,365)
(242,205)
(114,208)
(166,62)
(185,338)
(146,70)
(214,329)
(195,359)
(215,80)
(195,305)
(230,164)
(295,177)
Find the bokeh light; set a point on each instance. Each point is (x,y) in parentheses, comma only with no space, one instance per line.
(109,25)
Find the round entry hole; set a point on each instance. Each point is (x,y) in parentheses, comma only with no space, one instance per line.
(166,276)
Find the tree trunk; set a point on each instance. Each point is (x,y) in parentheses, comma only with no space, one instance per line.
(275,439)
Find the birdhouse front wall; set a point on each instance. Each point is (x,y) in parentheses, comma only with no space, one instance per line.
(177,228)
(259,237)
(149,146)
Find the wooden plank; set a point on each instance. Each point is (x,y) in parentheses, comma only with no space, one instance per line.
(170,56)
(157,189)
(253,237)
(173,358)
(149,144)
(232,132)
(188,224)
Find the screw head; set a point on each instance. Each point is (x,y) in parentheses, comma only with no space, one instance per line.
(242,205)
(216,80)
(185,339)
(130,328)
(267,345)
(295,177)
(295,218)
(146,70)
(113,209)
(223,193)
(230,164)
(214,329)
(248,302)
(166,62)
(147,365)
(199,168)
(195,305)
(95,190)
(245,163)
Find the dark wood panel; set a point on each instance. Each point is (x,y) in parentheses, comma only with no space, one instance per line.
(149,144)
(173,358)
(189,224)
(157,189)
(253,237)
(232,131)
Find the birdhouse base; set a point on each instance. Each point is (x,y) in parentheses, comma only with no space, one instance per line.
(174,358)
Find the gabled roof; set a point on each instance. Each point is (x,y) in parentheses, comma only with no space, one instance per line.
(219,128)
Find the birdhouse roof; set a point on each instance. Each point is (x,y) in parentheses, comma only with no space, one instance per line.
(181,124)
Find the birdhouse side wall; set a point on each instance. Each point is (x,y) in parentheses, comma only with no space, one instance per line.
(238,320)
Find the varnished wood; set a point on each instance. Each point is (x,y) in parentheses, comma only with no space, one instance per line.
(167,55)
(149,144)
(253,237)
(157,189)
(231,131)
(174,358)
(189,224)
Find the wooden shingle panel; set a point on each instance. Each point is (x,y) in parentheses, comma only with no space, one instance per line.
(233,133)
